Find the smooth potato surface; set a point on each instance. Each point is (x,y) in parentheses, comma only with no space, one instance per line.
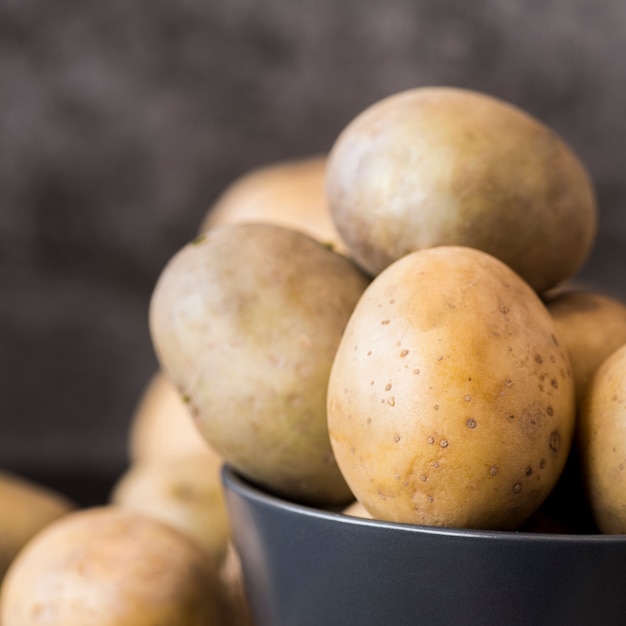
(450,401)
(445,166)
(291,193)
(162,427)
(591,326)
(25,508)
(602,443)
(246,322)
(111,567)
(185,492)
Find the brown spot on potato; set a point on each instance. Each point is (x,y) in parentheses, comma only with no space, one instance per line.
(467,397)
(403,353)
(396,438)
(385,322)
(471,422)
(430,441)
(517,488)
(555,441)
(387,386)
(443,443)
(493,470)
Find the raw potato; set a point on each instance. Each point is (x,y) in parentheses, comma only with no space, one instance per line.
(446,166)
(25,508)
(246,321)
(450,401)
(356,509)
(289,193)
(185,492)
(231,576)
(162,427)
(111,567)
(591,326)
(602,443)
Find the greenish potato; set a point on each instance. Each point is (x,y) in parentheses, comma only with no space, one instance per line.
(446,166)
(450,400)
(246,321)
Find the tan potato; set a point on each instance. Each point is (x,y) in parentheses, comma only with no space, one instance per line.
(602,443)
(290,193)
(356,509)
(591,326)
(231,576)
(111,567)
(446,166)
(25,508)
(185,492)
(246,321)
(450,401)
(162,428)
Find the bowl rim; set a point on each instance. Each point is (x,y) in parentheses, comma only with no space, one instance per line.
(244,487)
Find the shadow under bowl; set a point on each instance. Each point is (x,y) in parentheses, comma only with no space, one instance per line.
(309,567)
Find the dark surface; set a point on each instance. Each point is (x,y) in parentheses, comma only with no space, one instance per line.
(121,122)
(306,567)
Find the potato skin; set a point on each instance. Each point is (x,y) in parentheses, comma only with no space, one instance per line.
(291,193)
(25,508)
(601,443)
(445,166)
(184,492)
(110,567)
(450,401)
(162,428)
(591,326)
(246,322)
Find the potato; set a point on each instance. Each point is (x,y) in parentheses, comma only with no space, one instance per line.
(591,326)
(25,508)
(356,509)
(290,193)
(162,428)
(111,567)
(446,166)
(450,400)
(602,443)
(231,575)
(246,321)
(185,492)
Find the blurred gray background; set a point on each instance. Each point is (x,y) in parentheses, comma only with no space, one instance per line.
(120,123)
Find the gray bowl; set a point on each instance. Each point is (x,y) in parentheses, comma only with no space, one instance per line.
(308,567)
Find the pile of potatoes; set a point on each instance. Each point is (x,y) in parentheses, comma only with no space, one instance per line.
(421,348)
(390,330)
(158,552)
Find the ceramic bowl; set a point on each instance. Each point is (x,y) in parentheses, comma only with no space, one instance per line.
(309,567)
